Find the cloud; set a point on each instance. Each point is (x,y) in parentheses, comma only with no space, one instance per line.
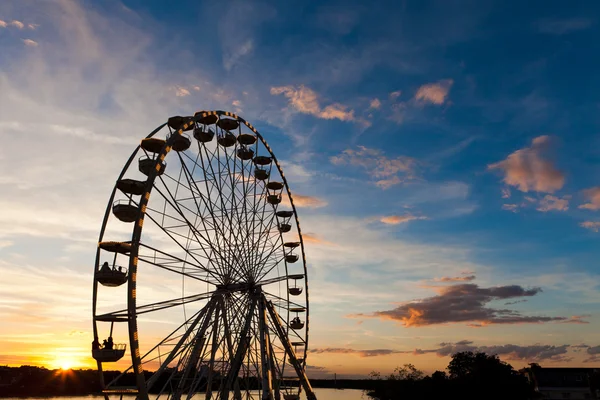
(506,193)
(3,24)
(17,24)
(399,219)
(511,207)
(395,95)
(337,111)
(305,100)
(360,353)
(308,201)
(312,238)
(32,26)
(532,353)
(30,43)
(231,57)
(464,303)
(549,203)
(577,319)
(375,104)
(528,170)
(563,26)
(466,278)
(593,196)
(181,91)
(591,225)
(386,172)
(434,93)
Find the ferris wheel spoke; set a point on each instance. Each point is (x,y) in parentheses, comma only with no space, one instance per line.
(189,177)
(163,266)
(192,228)
(183,247)
(212,203)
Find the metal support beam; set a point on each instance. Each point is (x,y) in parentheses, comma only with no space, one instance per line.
(180,343)
(213,353)
(265,352)
(310,394)
(194,357)
(240,354)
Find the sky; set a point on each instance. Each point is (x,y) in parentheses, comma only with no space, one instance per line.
(443,155)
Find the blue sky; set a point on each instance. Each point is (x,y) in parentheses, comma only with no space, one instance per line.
(427,140)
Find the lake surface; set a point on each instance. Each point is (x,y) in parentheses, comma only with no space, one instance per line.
(322,394)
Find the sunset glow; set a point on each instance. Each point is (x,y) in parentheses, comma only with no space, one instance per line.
(444,162)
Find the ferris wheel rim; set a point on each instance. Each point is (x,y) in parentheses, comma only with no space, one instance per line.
(138,229)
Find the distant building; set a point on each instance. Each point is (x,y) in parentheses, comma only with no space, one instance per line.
(563,383)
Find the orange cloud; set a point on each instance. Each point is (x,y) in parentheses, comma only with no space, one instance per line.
(312,238)
(375,104)
(528,170)
(593,196)
(398,219)
(308,201)
(385,170)
(3,24)
(434,93)
(549,203)
(591,225)
(305,100)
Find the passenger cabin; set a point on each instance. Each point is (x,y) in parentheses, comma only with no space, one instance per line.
(111,277)
(125,211)
(283,218)
(291,258)
(110,355)
(245,153)
(116,247)
(246,139)
(131,186)
(209,119)
(274,199)
(147,164)
(295,291)
(261,174)
(180,142)
(296,324)
(262,160)
(153,145)
(178,122)
(226,140)
(203,135)
(228,124)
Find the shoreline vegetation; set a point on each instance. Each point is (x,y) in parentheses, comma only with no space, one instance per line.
(468,376)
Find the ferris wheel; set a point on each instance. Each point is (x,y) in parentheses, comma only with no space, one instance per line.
(200,274)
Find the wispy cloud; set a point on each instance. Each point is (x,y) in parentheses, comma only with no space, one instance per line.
(181,91)
(387,172)
(360,353)
(399,219)
(564,25)
(464,303)
(466,278)
(308,201)
(434,93)
(528,169)
(305,100)
(17,24)
(375,104)
(30,43)
(531,353)
(3,24)
(553,203)
(593,196)
(591,225)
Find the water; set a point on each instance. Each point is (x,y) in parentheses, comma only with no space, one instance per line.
(322,394)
